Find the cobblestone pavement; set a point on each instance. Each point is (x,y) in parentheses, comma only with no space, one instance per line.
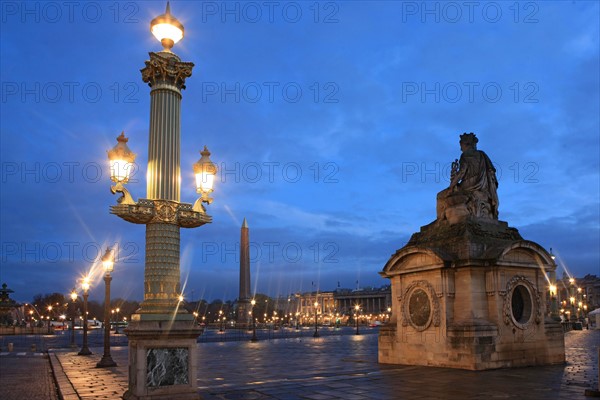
(338,367)
(26,376)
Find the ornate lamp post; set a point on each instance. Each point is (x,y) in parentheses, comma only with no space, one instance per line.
(108,265)
(316,334)
(160,330)
(254,338)
(85,285)
(357,309)
(73,299)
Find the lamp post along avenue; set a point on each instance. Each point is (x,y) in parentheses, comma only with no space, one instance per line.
(254,337)
(73,299)
(316,334)
(357,309)
(85,285)
(160,333)
(108,265)
(49,318)
(117,321)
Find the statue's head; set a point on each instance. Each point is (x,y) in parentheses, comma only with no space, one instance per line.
(468,141)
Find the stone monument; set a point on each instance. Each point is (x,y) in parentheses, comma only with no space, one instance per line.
(468,291)
(243,303)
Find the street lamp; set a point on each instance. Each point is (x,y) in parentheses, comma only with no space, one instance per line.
(85,285)
(357,309)
(167,29)
(572,317)
(316,334)
(121,161)
(108,264)
(205,171)
(118,310)
(163,215)
(73,299)
(49,319)
(254,338)
(553,303)
(220,320)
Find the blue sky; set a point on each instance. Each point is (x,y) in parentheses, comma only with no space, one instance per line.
(333,124)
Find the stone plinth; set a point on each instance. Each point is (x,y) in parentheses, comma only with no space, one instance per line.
(470,295)
(162,357)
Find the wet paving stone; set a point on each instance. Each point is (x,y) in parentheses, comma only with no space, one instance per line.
(327,368)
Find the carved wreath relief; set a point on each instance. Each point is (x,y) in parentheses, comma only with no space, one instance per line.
(420,306)
(522,303)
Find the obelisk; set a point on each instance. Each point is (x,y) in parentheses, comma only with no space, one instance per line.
(244,297)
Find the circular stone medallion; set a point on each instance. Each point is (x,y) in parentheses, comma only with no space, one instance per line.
(419,309)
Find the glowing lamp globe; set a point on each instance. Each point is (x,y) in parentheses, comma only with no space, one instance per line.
(205,171)
(85,285)
(121,160)
(167,29)
(108,262)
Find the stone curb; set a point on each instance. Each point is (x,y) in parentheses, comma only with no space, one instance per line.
(66,390)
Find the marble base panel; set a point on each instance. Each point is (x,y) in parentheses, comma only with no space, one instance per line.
(162,359)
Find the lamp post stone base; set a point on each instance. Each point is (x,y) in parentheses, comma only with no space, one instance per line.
(162,357)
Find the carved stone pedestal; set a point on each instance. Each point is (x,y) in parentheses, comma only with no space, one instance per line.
(470,295)
(162,357)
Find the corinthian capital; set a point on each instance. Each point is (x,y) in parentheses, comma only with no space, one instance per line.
(166,68)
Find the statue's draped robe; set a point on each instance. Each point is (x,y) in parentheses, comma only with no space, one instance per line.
(477,177)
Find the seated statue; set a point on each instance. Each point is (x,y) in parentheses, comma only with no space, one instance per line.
(473,184)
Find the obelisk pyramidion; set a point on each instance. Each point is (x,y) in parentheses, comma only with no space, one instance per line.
(244,297)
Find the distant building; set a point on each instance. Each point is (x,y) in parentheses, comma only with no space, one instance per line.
(591,290)
(578,296)
(373,301)
(337,306)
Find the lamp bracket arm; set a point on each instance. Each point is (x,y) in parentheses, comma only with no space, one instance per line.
(125,195)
